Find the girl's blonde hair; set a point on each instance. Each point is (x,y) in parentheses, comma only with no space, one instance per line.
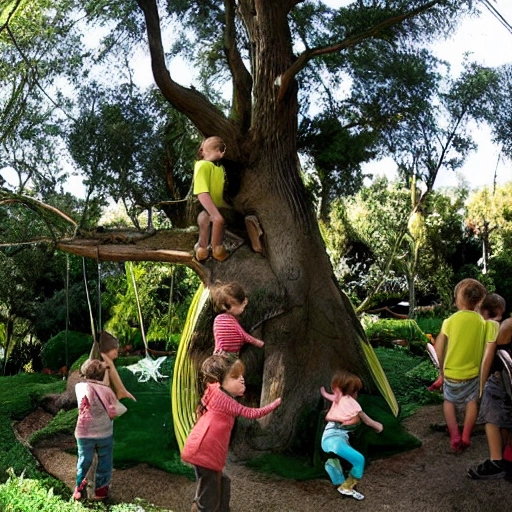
(223,296)
(93,369)
(348,383)
(213,142)
(470,291)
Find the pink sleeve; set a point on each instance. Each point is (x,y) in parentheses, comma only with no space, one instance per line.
(233,408)
(250,339)
(328,396)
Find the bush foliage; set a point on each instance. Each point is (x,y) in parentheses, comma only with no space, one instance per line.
(59,351)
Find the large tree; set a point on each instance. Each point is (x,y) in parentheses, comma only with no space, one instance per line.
(274,53)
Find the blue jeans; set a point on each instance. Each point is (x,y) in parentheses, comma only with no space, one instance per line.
(335,440)
(86,449)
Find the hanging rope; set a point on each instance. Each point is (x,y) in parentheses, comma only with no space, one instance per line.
(147,368)
(67,315)
(95,349)
(139,311)
(99,325)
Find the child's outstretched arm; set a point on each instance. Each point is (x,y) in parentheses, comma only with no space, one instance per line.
(114,380)
(377,426)
(328,396)
(251,339)
(230,406)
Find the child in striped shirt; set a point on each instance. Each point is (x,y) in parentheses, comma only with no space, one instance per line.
(230,301)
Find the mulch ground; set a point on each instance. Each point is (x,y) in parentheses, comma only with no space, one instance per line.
(427,479)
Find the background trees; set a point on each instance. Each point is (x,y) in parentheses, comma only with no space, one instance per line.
(282,62)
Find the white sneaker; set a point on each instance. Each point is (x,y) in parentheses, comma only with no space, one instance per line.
(352,493)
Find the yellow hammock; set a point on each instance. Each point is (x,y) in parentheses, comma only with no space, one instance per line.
(184,392)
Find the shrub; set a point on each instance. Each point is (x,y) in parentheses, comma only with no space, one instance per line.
(21,494)
(54,351)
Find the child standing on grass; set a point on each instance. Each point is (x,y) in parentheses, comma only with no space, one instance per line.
(207,444)
(230,301)
(343,417)
(460,348)
(97,407)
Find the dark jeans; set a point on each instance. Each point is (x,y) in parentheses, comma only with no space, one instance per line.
(213,491)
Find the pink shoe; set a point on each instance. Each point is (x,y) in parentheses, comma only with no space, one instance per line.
(101,493)
(464,444)
(456,445)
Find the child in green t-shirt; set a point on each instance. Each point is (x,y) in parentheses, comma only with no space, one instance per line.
(460,348)
(209,178)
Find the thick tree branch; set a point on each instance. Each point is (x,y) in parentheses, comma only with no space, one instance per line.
(242,79)
(190,102)
(288,76)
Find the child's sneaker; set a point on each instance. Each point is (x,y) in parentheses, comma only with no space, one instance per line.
(487,470)
(352,493)
(101,493)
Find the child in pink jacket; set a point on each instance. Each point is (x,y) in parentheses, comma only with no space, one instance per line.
(97,407)
(207,444)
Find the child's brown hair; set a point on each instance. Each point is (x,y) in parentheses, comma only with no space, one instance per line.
(215,368)
(493,304)
(348,383)
(223,296)
(93,369)
(214,142)
(470,291)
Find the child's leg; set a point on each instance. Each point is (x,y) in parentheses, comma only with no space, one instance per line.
(333,468)
(494,440)
(105,448)
(225,493)
(450,416)
(201,248)
(85,455)
(218,231)
(469,422)
(208,490)
(338,444)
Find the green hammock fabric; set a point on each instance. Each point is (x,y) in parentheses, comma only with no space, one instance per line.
(184,393)
(380,377)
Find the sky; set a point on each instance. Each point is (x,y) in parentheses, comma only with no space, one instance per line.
(489,42)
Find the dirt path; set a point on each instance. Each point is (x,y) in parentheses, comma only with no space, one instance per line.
(428,479)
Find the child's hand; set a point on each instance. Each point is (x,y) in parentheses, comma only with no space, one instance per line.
(322,390)
(278,401)
(378,427)
(260,344)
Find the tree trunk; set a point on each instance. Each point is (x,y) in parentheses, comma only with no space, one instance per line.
(309,326)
